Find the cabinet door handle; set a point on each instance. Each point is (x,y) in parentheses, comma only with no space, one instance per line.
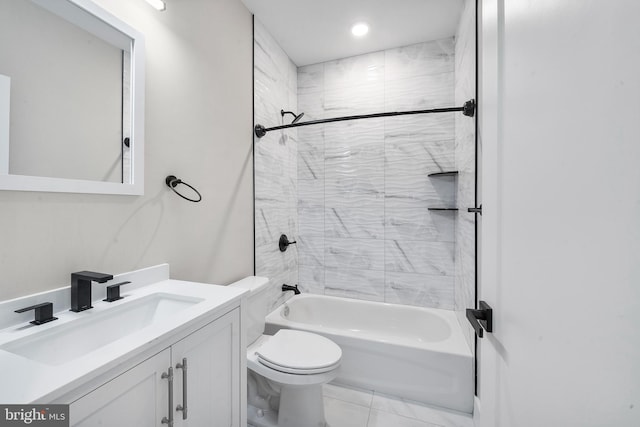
(183,407)
(169,376)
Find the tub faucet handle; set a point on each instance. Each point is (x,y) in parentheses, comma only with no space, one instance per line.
(284,242)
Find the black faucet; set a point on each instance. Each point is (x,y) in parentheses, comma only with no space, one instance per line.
(291,288)
(81,288)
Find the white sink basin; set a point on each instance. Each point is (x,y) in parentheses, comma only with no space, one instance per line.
(93,330)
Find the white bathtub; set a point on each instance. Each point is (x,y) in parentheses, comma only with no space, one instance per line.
(410,352)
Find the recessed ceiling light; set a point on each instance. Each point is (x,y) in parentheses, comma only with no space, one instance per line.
(360,29)
(157,4)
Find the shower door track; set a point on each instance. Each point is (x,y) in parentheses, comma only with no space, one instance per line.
(468,109)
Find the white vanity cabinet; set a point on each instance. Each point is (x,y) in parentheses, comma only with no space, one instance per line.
(212,378)
(209,387)
(138,398)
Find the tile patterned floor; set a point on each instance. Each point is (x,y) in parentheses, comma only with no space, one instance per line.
(347,407)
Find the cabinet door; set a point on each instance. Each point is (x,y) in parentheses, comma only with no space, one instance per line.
(138,397)
(213,374)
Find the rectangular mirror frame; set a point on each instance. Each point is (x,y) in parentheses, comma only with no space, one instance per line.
(64,8)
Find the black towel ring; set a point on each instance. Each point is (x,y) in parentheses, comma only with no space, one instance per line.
(172,182)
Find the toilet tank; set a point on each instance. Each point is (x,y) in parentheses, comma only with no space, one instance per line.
(257,304)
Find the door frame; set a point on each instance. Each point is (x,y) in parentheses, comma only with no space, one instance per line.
(490,33)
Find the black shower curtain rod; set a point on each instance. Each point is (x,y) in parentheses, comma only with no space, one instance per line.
(468,109)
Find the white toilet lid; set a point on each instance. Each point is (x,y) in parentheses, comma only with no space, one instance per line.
(299,352)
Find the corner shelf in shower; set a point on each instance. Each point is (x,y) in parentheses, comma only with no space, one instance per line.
(442,209)
(448,173)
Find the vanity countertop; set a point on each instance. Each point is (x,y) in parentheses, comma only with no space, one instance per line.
(33,376)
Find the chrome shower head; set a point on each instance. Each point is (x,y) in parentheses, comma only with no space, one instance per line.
(296,118)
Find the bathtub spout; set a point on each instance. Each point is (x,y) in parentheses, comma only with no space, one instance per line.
(291,288)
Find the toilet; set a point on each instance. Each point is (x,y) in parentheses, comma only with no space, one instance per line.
(286,371)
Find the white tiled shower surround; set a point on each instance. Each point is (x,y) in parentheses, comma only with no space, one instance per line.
(356,194)
(275,80)
(465,88)
(363,186)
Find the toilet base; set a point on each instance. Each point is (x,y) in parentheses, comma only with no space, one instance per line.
(299,407)
(261,418)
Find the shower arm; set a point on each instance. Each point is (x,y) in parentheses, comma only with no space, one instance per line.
(468,109)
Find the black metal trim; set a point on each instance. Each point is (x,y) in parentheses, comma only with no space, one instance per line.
(442,209)
(475,222)
(81,288)
(262,131)
(482,319)
(43,313)
(295,289)
(253,140)
(124,140)
(449,173)
(468,109)
(172,182)
(477,210)
(284,243)
(113,292)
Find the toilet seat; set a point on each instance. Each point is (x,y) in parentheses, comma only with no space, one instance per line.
(299,352)
(288,370)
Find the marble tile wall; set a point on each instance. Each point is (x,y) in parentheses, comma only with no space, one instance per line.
(276,164)
(365,230)
(465,88)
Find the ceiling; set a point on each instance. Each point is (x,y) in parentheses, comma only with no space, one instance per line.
(312,31)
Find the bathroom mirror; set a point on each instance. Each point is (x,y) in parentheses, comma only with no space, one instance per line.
(71,99)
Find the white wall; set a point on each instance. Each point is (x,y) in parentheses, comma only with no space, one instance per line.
(198,127)
(561,221)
